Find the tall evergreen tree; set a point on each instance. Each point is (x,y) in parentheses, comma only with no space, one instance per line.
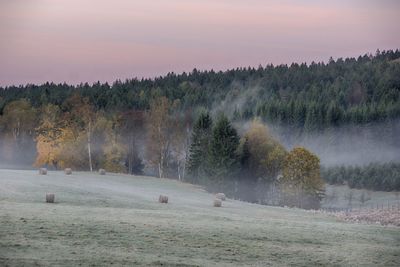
(199,148)
(223,155)
(246,179)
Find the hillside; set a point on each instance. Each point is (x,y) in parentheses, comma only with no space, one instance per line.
(116,219)
(310,96)
(347,111)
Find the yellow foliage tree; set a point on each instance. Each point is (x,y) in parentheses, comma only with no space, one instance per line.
(160,133)
(114,151)
(60,141)
(301,182)
(262,158)
(72,152)
(48,137)
(80,116)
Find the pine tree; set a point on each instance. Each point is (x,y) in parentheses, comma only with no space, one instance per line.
(223,155)
(199,148)
(246,179)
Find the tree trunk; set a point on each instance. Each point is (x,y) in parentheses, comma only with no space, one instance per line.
(130,155)
(183,171)
(179,171)
(89,148)
(159,170)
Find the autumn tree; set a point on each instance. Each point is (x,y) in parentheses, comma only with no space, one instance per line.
(73,150)
(18,123)
(81,115)
(301,182)
(64,134)
(180,143)
(113,149)
(160,129)
(261,157)
(49,137)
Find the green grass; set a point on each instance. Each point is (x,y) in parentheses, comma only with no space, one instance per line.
(115,219)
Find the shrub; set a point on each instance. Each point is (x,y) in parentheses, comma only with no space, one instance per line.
(163,199)
(217,203)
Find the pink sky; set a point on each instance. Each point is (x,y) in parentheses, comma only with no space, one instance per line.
(89,40)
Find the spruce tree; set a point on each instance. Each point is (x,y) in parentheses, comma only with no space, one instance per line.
(199,148)
(246,179)
(223,155)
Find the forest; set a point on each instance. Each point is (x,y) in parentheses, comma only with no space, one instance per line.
(183,126)
(314,96)
(374,176)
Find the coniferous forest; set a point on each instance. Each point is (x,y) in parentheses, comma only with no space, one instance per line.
(183,125)
(318,95)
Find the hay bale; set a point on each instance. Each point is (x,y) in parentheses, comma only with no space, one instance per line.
(50,198)
(42,171)
(163,199)
(102,172)
(220,196)
(217,203)
(68,171)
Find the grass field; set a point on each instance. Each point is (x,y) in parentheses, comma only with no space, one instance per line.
(116,220)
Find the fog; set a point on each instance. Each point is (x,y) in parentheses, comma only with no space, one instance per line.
(348,144)
(344,145)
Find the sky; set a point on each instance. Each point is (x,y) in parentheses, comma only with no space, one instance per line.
(78,41)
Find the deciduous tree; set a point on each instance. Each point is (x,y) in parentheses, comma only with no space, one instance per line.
(261,161)
(160,131)
(49,137)
(301,181)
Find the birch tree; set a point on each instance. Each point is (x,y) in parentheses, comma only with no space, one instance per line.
(160,130)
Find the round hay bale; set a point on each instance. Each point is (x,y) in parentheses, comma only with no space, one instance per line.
(50,198)
(163,199)
(42,171)
(68,171)
(217,203)
(102,172)
(220,196)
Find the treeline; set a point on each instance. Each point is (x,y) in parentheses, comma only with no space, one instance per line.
(254,167)
(315,96)
(374,176)
(76,135)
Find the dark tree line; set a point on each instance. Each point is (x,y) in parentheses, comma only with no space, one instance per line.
(374,176)
(319,95)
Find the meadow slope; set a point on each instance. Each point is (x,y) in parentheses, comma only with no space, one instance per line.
(116,219)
